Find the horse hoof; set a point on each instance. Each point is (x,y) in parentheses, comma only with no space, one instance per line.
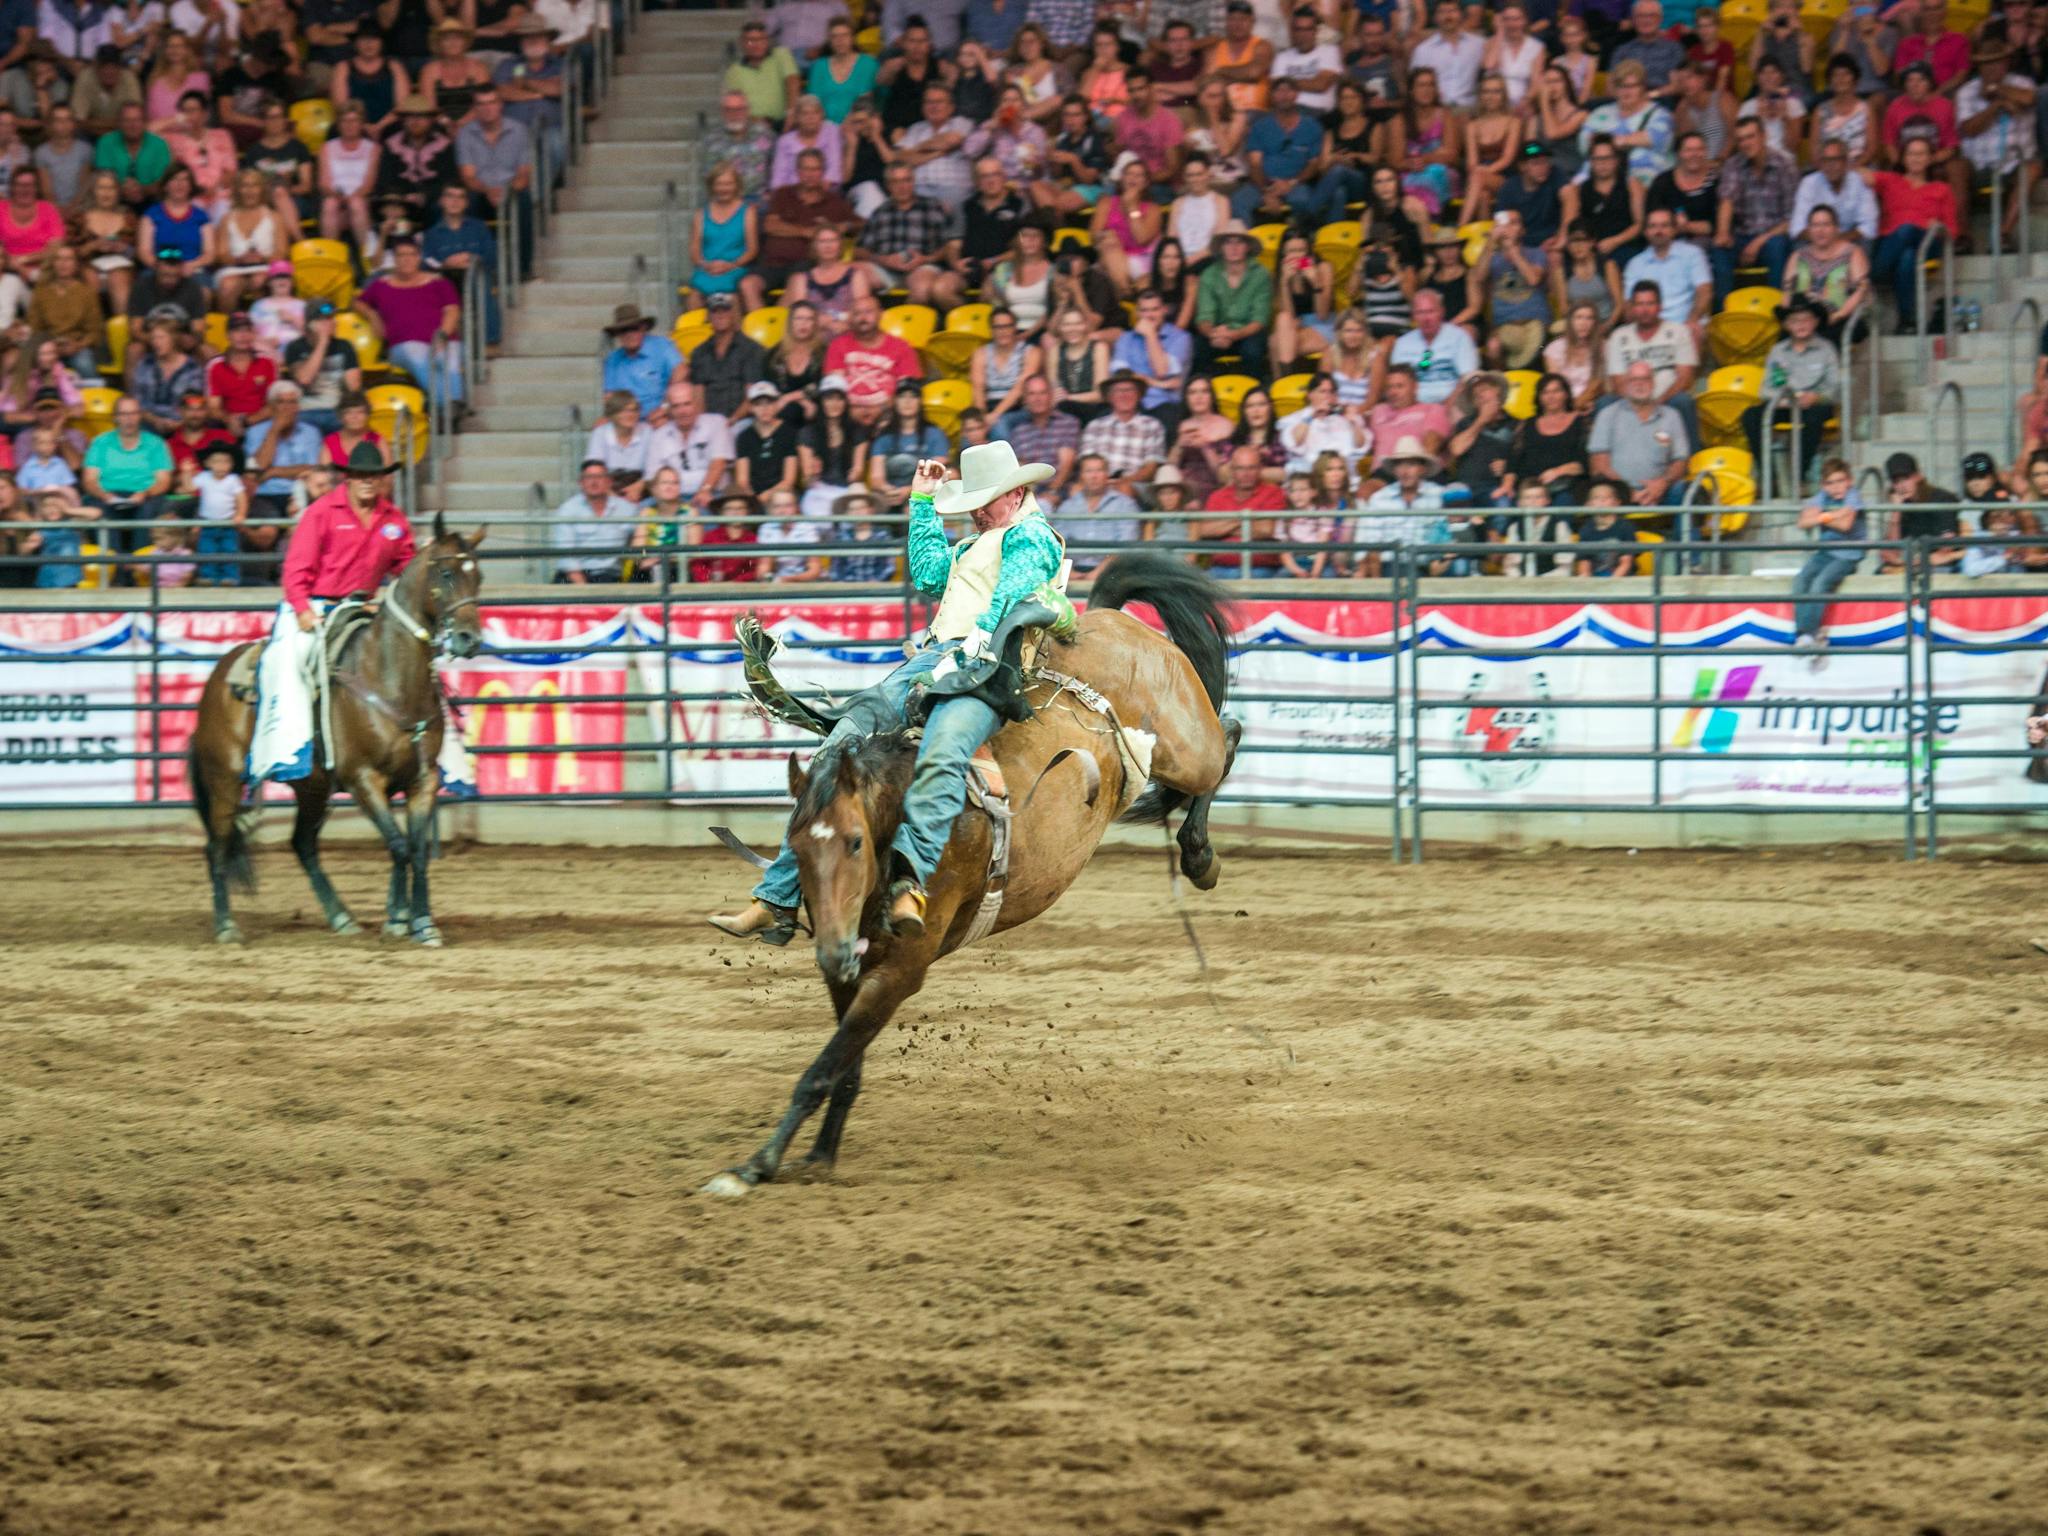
(344,925)
(228,934)
(727,1186)
(397,930)
(427,936)
(1205,878)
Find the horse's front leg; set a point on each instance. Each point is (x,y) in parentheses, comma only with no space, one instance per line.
(376,804)
(419,822)
(875,999)
(825,1150)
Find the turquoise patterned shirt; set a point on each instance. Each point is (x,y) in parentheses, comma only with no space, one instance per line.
(1031,557)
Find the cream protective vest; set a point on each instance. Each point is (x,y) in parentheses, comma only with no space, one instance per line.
(977,565)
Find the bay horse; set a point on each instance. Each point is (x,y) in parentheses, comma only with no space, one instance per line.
(387,722)
(1160,696)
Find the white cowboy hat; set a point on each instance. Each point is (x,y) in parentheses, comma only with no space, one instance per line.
(986,471)
(1411,448)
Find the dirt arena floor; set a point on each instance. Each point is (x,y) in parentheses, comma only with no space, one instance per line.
(1555,1193)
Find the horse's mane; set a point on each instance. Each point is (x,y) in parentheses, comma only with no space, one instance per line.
(882,762)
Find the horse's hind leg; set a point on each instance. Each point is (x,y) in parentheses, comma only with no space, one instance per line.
(1198,857)
(312,816)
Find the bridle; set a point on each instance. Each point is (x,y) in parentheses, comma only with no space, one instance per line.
(447,602)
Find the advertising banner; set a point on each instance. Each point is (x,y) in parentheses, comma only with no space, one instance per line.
(1537,703)
(65,727)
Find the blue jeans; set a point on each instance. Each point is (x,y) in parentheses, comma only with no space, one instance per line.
(938,787)
(222,540)
(1895,263)
(1775,253)
(435,375)
(1823,572)
(1324,200)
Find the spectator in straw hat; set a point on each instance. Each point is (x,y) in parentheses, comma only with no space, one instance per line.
(1995,118)
(418,160)
(1233,303)
(640,362)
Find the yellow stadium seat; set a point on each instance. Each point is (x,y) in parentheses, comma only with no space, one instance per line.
(1721,413)
(95,413)
(1231,388)
(313,121)
(944,400)
(1756,300)
(1723,463)
(1739,378)
(94,575)
(117,347)
(868,40)
(216,330)
(950,352)
(766,325)
(911,324)
(973,318)
(1062,238)
(1289,394)
(1338,245)
(692,330)
(320,270)
(385,400)
(1741,20)
(1646,562)
(1734,336)
(1818,17)
(1521,401)
(360,334)
(1269,237)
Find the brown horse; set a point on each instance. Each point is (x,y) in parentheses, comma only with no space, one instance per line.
(386,715)
(1158,697)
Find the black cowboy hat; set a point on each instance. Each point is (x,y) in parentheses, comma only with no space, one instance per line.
(364,460)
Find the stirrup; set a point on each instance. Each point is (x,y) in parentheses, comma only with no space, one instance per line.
(907,901)
(762,920)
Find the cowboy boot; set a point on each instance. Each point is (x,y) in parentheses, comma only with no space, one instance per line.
(906,908)
(770,924)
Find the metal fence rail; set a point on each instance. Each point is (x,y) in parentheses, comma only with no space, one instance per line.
(1422,681)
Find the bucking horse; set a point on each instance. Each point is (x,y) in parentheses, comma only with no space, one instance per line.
(1121,720)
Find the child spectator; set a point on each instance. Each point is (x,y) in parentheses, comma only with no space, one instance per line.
(1605,498)
(223,508)
(1306,528)
(63,531)
(1542,525)
(1836,516)
(166,539)
(280,315)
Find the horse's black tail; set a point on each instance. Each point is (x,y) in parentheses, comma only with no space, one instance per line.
(1197,619)
(236,867)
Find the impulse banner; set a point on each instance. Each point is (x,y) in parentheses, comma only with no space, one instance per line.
(1744,720)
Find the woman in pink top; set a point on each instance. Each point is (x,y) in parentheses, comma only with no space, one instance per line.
(29,227)
(1126,227)
(206,151)
(177,72)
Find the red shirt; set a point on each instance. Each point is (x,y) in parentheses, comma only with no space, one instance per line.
(333,553)
(1938,110)
(1949,56)
(725,570)
(1900,202)
(872,367)
(1264,497)
(183,452)
(240,392)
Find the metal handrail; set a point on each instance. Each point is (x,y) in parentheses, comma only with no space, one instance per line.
(674,254)
(1948,293)
(2013,331)
(1949,387)
(1766,442)
(575,437)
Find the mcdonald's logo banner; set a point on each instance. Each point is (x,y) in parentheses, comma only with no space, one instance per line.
(543,716)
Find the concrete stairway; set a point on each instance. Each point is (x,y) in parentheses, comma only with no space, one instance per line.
(1978,362)
(609,212)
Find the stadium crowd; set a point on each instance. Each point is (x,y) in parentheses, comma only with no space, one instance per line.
(1461,268)
(234,236)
